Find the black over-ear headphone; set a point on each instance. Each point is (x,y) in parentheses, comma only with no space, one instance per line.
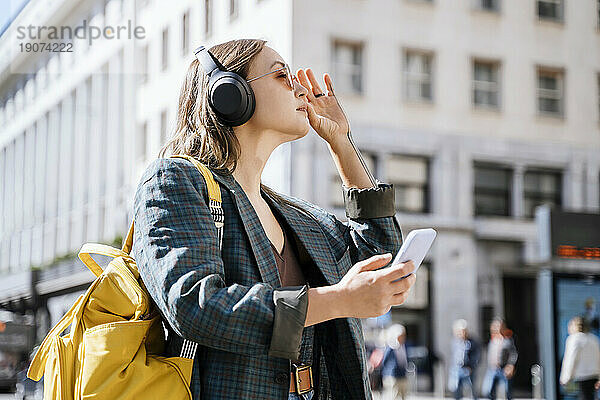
(229,95)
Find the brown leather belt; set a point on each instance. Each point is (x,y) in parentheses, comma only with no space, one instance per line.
(301,378)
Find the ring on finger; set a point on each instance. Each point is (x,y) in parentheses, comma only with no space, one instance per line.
(320,94)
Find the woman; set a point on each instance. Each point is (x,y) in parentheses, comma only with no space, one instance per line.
(282,293)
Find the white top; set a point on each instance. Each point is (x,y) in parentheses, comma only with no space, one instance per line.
(582,358)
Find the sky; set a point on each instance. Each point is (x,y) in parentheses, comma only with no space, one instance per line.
(8,9)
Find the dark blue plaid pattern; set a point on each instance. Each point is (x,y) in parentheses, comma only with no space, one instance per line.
(224,301)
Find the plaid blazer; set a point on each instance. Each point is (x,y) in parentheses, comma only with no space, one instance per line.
(231,303)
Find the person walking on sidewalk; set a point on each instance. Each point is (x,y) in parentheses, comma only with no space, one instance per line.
(375,364)
(502,357)
(280,288)
(581,361)
(395,364)
(465,357)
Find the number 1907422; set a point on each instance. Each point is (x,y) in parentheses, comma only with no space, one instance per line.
(50,47)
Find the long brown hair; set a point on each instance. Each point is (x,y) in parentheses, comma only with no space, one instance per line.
(198,131)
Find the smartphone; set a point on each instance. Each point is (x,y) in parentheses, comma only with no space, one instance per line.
(415,247)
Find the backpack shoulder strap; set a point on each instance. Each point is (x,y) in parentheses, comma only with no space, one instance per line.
(214,196)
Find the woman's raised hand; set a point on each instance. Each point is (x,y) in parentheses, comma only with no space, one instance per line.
(325,113)
(366,293)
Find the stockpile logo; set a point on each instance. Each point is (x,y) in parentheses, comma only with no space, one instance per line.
(66,34)
(50,39)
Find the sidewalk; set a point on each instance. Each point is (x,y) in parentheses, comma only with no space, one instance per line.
(431,396)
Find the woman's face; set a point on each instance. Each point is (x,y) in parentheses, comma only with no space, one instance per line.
(276,104)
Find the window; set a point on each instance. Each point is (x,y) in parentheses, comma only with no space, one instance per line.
(417,76)
(86,133)
(144,61)
(207,18)
(347,67)
(30,89)
(550,92)
(142,141)
(410,177)
(185,33)
(163,126)
(336,198)
(541,187)
(106,11)
(165,49)
(492,190)
(19,100)
(488,5)
(486,87)
(552,10)
(40,77)
(233,9)
(3,189)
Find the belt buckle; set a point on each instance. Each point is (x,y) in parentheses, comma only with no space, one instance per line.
(301,367)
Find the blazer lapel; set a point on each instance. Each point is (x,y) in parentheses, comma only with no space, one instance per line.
(261,247)
(310,234)
(308,231)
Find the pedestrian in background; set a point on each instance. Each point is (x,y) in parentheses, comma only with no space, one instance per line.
(502,357)
(395,363)
(581,362)
(465,357)
(375,364)
(591,319)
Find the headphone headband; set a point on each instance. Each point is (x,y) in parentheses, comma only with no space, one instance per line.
(209,63)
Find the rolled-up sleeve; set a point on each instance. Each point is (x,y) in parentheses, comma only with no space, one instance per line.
(177,252)
(371,226)
(290,315)
(369,202)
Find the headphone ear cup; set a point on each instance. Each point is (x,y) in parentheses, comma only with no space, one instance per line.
(231,98)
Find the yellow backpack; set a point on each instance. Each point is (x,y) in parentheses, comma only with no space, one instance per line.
(113,348)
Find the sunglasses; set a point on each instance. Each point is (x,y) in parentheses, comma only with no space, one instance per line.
(288,75)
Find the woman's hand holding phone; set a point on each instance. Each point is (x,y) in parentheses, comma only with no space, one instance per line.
(367,291)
